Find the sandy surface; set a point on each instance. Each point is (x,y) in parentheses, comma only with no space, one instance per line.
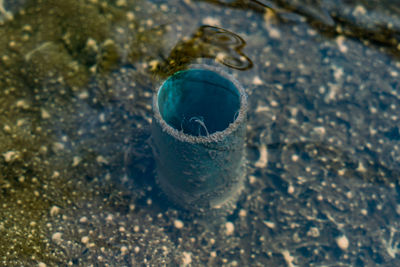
(323,141)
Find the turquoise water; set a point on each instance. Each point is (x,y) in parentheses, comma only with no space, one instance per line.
(323,141)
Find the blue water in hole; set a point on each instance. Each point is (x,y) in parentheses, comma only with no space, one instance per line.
(198,102)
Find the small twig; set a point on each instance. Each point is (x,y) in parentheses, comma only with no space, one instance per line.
(200,121)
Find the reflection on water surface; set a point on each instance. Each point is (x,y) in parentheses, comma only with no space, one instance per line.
(76,172)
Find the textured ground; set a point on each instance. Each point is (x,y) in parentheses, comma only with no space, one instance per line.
(77,176)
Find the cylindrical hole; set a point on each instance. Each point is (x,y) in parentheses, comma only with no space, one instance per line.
(198,102)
